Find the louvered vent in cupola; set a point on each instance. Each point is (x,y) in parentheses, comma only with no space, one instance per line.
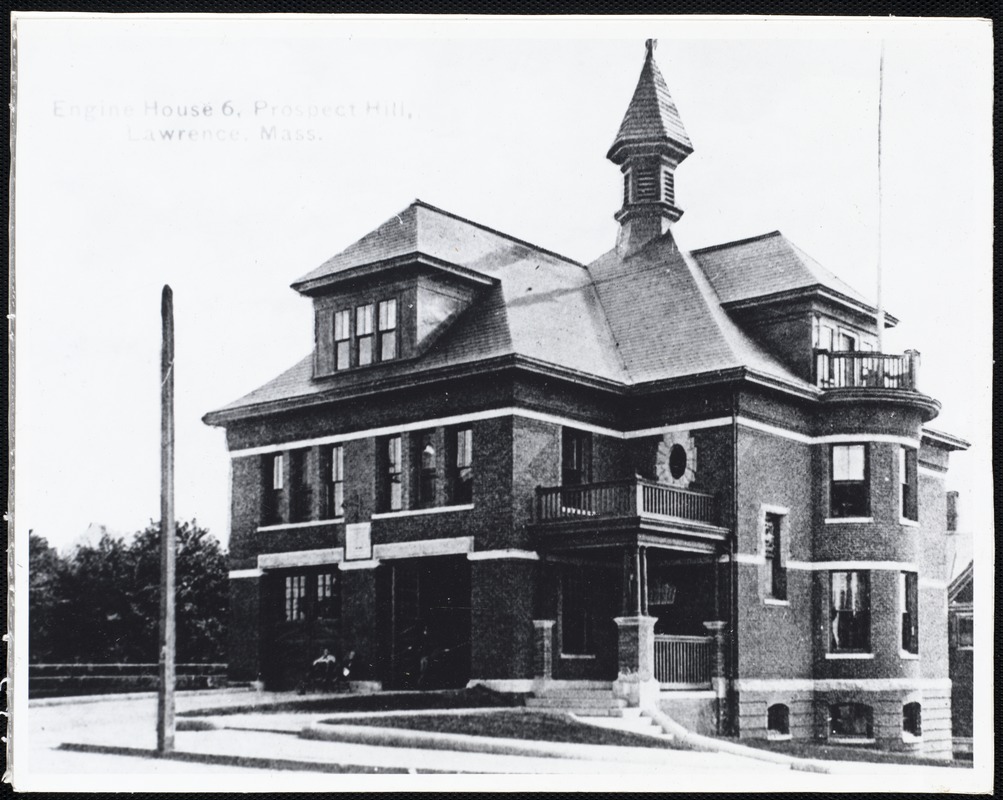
(647,184)
(626,187)
(668,186)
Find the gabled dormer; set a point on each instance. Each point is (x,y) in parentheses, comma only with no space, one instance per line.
(389,296)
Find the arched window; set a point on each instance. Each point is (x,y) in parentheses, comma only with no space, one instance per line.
(851,721)
(778,721)
(912,724)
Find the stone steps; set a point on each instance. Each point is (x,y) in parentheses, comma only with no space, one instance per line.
(583,698)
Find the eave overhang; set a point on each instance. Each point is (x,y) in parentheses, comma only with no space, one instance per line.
(817,290)
(325,283)
(946,440)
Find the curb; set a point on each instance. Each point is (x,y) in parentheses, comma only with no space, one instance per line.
(244,761)
(425,740)
(696,741)
(43,702)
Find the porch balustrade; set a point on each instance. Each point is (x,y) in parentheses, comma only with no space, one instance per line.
(859,369)
(629,498)
(684,662)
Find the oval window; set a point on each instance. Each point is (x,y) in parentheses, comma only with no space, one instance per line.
(677,461)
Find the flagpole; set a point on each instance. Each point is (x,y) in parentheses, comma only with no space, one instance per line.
(165,695)
(881,307)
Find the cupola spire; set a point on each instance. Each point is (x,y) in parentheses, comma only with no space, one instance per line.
(649,146)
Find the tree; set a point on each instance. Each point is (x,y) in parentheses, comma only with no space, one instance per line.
(201,589)
(46,573)
(102,604)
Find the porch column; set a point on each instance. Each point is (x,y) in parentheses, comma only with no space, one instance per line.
(636,681)
(543,650)
(719,683)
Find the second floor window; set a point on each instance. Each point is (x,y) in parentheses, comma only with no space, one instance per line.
(849,495)
(300,495)
(461,466)
(274,482)
(336,482)
(426,470)
(387,324)
(907,476)
(774,559)
(342,339)
(849,612)
(909,610)
(576,457)
(364,334)
(389,489)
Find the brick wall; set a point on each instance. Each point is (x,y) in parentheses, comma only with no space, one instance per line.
(502,599)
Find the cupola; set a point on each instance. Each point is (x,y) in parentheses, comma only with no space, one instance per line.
(649,146)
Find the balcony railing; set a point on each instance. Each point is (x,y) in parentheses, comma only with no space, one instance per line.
(683,661)
(859,369)
(629,498)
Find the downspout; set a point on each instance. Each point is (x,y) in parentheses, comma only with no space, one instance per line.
(732,671)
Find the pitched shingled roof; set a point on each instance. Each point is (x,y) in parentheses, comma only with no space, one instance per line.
(766,265)
(667,319)
(423,229)
(651,316)
(652,115)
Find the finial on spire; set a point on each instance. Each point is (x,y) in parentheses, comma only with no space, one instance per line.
(650,45)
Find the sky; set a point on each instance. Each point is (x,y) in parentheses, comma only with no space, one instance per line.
(310,132)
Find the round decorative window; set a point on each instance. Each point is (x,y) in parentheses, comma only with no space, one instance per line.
(676,462)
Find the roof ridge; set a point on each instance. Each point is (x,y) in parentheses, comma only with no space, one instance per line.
(737,242)
(495,231)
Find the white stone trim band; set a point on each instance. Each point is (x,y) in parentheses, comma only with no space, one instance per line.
(841,684)
(313,523)
(510,553)
(415,512)
(932,473)
(301,558)
(236,574)
(820,566)
(424,547)
(460,419)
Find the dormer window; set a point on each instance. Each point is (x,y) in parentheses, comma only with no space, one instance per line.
(364,335)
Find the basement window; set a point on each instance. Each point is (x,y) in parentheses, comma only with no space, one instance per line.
(778,721)
(851,721)
(912,722)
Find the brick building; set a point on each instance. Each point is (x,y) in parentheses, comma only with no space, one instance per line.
(672,477)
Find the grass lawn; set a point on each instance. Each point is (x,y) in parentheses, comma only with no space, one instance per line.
(476,697)
(517,724)
(832,752)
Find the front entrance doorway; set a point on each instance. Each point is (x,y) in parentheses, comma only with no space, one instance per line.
(425,622)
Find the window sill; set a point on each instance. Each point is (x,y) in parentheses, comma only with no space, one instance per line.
(773,601)
(578,657)
(776,736)
(911,738)
(415,512)
(909,523)
(313,523)
(848,520)
(851,740)
(905,654)
(849,656)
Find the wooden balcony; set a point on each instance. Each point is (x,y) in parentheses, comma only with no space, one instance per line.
(863,370)
(622,512)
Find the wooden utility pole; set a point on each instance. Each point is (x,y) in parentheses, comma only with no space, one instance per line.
(165,696)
